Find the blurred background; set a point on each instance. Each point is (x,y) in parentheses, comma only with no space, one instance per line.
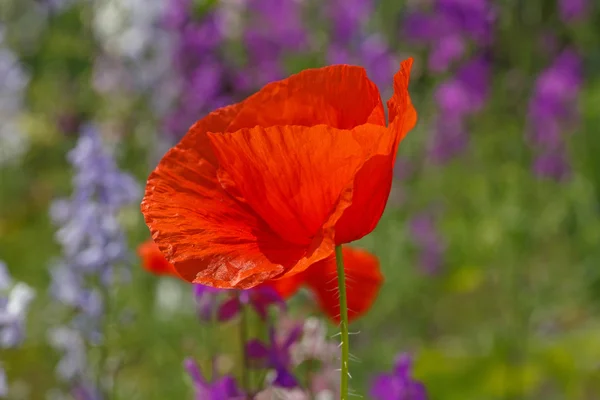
(490,241)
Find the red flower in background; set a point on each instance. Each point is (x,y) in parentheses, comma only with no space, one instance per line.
(267,187)
(363,280)
(153,259)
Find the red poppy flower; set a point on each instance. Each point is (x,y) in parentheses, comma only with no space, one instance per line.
(267,187)
(363,280)
(153,259)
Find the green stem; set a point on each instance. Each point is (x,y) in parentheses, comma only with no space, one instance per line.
(344,371)
(243,339)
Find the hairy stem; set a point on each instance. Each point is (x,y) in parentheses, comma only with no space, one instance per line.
(344,370)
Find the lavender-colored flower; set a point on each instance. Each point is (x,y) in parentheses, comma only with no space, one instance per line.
(94,255)
(399,384)
(276,356)
(428,240)
(13,142)
(73,364)
(313,344)
(223,388)
(15,299)
(259,298)
(3,383)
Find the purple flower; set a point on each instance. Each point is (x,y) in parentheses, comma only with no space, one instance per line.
(94,255)
(13,141)
(348,18)
(427,239)
(552,110)
(446,51)
(457,99)
(259,298)
(14,303)
(552,165)
(223,388)
(73,364)
(470,19)
(278,22)
(572,10)
(557,88)
(206,300)
(276,355)
(200,76)
(15,299)
(3,383)
(398,385)
(86,392)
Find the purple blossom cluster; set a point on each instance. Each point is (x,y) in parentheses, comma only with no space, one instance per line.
(572,10)
(552,111)
(13,141)
(203,79)
(351,43)
(399,384)
(458,35)
(15,298)
(273,29)
(288,344)
(94,250)
(208,74)
(429,242)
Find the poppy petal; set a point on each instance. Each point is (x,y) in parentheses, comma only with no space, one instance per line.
(288,286)
(403,116)
(339,96)
(373,182)
(153,260)
(185,206)
(292,176)
(363,280)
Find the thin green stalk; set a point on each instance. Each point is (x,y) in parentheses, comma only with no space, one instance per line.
(102,371)
(243,339)
(344,371)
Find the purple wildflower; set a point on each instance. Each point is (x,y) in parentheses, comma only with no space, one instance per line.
(15,299)
(276,355)
(200,75)
(457,99)
(428,241)
(223,388)
(273,28)
(572,10)
(350,44)
(398,385)
(13,142)
(94,250)
(348,18)
(552,110)
(206,300)
(259,298)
